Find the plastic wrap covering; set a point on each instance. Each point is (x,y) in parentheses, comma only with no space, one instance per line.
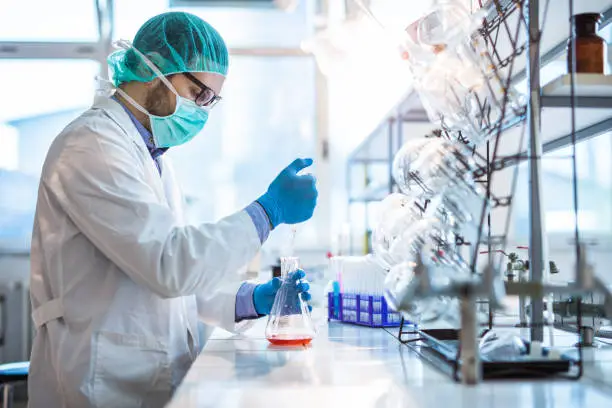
(397,213)
(404,291)
(436,172)
(496,346)
(429,166)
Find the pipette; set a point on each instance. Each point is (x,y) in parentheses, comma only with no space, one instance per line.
(292,240)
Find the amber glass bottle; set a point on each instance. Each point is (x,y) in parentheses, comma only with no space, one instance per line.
(591,55)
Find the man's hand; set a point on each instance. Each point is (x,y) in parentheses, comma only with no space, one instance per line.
(264,294)
(291,198)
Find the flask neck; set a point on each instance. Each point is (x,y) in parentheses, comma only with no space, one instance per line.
(288,266)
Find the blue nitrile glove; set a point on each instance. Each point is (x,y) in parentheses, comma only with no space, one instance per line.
(291,199)
(264,294)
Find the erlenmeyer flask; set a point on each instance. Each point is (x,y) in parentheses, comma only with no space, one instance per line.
(289,323)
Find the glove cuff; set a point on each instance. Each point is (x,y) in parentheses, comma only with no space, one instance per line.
(256,304)
(272,209)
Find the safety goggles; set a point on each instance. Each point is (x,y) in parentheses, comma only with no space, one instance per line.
(207,96)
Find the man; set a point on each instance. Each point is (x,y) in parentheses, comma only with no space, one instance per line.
(118,279)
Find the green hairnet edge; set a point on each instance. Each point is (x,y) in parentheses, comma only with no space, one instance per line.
(121,53)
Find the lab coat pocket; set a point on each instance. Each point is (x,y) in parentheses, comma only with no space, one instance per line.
(130,370)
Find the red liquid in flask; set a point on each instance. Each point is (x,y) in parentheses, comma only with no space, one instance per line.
(289,341)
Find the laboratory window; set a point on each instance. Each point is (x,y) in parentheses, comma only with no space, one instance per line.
(71,20)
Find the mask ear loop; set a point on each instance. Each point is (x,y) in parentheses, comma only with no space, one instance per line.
(109,85)
(132,101)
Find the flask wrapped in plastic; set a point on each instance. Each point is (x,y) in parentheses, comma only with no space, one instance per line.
(429,166)
(397,213)
(289,323)
(405,291)
(496,346)
(442,172)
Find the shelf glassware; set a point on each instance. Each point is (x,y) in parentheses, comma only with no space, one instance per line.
(402,292)
(427,166)
(397,214)
(454,75)
(440,171)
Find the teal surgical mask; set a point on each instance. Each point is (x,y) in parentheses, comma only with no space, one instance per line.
(181,126)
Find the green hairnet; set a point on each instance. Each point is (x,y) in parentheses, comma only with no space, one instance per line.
(175,42)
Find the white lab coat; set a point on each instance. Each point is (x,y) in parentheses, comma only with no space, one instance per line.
(118,281)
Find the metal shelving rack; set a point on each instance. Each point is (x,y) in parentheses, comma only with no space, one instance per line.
(464,360)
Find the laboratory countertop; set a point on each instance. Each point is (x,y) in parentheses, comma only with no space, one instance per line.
(352,366)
